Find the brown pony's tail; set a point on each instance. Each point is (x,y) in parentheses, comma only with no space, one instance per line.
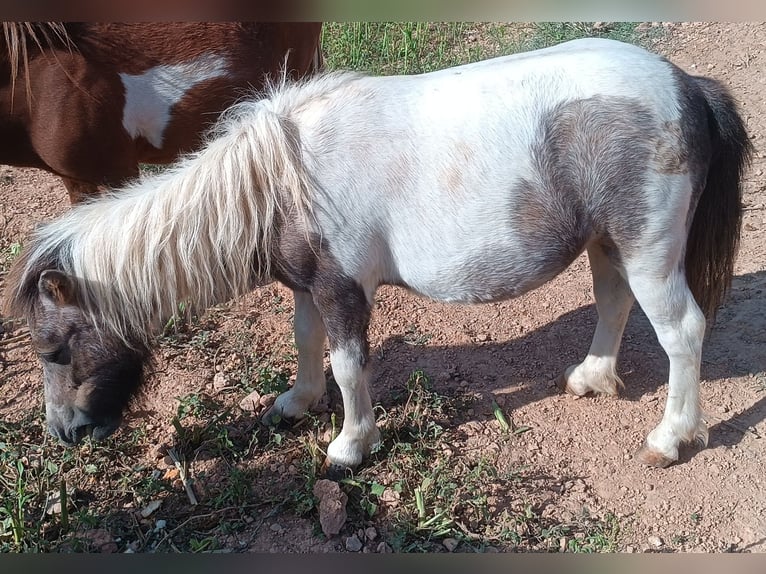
(715,230)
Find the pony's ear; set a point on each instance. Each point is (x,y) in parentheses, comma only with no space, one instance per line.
(56,286)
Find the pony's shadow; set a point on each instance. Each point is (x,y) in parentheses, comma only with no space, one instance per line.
(523,368)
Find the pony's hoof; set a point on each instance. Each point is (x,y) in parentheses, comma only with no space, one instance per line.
(563,386)
(335,472)
(274,418)
(650,457)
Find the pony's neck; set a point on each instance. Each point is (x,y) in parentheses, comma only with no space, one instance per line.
(199,234)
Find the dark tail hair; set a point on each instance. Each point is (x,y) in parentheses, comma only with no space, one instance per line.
(715,230)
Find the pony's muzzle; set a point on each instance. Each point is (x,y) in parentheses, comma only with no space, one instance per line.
(80,427)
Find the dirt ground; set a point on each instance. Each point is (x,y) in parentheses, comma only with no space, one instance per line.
(712,500)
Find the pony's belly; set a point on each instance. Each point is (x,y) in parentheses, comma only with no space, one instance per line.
(478,282)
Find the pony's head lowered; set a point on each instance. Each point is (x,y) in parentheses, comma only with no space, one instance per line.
(89,372)
(97,283)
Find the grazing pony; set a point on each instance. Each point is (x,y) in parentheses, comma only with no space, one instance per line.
(89,101)
(468,185)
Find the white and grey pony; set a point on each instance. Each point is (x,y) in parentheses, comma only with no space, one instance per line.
(468,185)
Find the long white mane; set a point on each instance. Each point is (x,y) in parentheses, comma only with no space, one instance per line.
(201,232)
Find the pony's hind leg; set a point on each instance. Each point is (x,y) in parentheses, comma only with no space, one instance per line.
(310,381)
(597,373)
(680,327)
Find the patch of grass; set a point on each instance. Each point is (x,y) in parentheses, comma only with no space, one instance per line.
(35,472)
(8,255)
(414,336)
(416,47)
(551,33)
(410,47)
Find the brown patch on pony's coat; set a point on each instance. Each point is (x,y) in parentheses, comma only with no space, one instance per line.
(306,264)
(590,162)
(671,155)
(451,178)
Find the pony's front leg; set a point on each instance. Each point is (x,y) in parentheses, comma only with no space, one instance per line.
(346,313)
(310,382)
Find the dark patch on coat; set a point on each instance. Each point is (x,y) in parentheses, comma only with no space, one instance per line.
(671,155)
(695,126)
(590,162)
(305,263)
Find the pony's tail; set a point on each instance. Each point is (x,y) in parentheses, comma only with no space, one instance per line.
(715,229)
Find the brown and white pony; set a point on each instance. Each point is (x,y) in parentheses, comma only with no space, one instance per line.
(468,185)
(90,101)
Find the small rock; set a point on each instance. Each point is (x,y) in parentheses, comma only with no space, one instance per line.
(353,544)
(159,451)
(655,541)
(251,402)
(277,528)
(390,496)
(168,461)
(219,381)
(268,400)
(160,525)
(100,540)
(630,549)
(332,507)
(384,548)
(171,474)
(147,510)
(370,533)
(450,544)
(53,502)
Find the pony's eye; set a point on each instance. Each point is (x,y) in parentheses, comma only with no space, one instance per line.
(60,356)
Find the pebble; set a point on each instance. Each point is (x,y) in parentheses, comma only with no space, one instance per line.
(370,533)
(147,510)
(332,506)
(353,544)
(655,541)
(450,544)
(268,400)
(159,451)
(219,381)
(384,548)
(251,402)
(100,540)
(160,525)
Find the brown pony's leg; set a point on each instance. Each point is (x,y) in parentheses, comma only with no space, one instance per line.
(79,190)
